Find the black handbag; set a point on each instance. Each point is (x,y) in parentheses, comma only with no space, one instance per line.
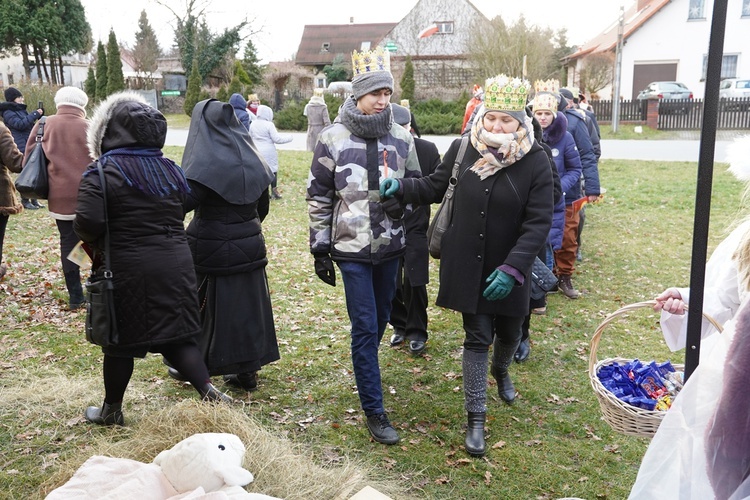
(101,323)
(444,214)
(542,279)
(33,182)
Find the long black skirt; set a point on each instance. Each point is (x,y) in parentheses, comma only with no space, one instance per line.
(238,332)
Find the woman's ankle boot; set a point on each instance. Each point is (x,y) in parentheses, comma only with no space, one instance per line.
(475,434)
(108,414)
(212,394)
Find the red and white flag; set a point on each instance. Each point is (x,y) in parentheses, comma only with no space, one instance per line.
(428,31)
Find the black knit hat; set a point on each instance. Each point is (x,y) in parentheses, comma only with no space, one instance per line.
(12,93)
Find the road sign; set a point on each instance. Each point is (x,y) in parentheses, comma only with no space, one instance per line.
(391,47)
(170,92)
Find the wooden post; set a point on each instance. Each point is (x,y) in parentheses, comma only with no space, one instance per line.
(652,113)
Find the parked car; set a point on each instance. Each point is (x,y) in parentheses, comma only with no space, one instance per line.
(666,90)
(734,87)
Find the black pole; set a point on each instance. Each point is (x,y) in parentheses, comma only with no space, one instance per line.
(703,189)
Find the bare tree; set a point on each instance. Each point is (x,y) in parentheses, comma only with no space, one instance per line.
(597,72)
(501,49)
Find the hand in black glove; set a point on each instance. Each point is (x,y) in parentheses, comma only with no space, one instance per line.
(393,208)
(324,268)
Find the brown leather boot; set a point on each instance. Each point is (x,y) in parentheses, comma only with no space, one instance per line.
(566,286)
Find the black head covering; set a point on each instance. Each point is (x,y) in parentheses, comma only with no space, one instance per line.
(134,124)
(414,127)
(220,154)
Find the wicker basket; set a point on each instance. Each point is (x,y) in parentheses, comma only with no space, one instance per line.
(621,416)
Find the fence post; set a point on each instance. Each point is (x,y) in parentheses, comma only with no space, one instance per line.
(652,113)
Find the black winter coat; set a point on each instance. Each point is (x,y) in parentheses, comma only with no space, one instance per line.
(19,121)
(503,219)
(155,291)
(417,256)
(224,238)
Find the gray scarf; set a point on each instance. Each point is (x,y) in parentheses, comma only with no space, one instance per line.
(362,125)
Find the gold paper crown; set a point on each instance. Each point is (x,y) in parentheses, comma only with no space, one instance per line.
(370,61)
(503,93)
(319,92)
(552,86)
(545,96)
(405,103)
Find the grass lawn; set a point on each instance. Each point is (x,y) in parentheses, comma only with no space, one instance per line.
(551,443)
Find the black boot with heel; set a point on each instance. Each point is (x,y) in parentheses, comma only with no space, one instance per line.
(475,434)
(108,414)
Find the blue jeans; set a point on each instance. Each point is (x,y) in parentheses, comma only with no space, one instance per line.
(369,290)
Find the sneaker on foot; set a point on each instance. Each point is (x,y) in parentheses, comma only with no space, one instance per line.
(566,287)
(381,429)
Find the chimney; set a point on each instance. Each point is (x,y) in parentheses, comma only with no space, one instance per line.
(351,20)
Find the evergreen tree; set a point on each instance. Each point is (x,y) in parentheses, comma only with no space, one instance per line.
(222,94)
(338,70)
(251,63)
(115,78)
(239,72)
(89,85)
(101,72)
(407,80)
(192,96)
(146,50)
(235,86)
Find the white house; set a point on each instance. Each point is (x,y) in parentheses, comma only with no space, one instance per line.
(75,70)
(668,40)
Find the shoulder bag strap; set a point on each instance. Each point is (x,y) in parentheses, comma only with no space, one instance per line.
(456,164)
(40,129)
(107,268)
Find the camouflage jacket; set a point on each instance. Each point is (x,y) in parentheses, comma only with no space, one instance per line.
(347,219)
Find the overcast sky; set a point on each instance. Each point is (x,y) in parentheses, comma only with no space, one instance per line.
(280,22)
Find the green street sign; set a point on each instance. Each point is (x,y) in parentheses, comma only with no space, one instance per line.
(170,92)
(391,47)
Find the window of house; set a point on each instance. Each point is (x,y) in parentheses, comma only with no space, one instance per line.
(697,9)
(745,8)
(728,66)
(10,79)
(325,47)
(365,46)
(320,83)
(445,27)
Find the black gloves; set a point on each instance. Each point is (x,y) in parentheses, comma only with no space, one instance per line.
(324,268)
(393,208)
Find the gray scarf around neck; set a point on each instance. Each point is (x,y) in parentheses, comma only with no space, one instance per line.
(362,125)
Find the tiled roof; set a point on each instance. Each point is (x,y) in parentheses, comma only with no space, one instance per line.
(341,39)
(635,17)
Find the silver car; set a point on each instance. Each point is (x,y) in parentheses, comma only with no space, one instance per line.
(734,87)
(665,90)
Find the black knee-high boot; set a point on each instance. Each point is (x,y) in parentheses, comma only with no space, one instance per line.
(502,356)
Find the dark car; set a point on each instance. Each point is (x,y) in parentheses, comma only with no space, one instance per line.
(666,90)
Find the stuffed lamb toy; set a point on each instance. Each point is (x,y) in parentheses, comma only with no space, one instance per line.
(211,462)
(202,466)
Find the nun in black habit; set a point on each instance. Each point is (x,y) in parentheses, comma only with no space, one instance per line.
(229,193)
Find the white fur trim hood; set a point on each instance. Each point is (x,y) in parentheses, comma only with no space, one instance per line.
(100,119)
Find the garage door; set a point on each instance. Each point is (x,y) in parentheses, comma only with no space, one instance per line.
(643,74)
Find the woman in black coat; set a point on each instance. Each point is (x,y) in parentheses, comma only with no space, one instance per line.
(155,293)
(229,193)
(501,217)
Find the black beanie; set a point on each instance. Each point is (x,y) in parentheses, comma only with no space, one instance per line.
(12,93)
